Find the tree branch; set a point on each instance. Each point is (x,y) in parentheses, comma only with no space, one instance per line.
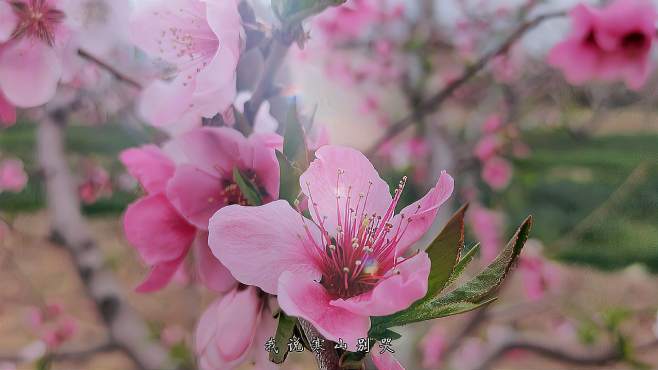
(326,359)
(550,350)
(127,330)
(434,103)
(113,71)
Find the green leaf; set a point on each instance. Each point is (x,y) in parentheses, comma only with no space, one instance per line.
(289,179)
(294,140)
(463,263)
(384,333)
(475,293)
(247,187)
(444,252)
(284,331)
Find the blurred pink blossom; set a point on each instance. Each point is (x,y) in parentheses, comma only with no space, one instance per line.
(385,360)
(96,183)
(488,226)
(7,111)
(203,40)
(52,324)
(487,147)
(609,43)
(432,346)
(492,124)
(283,253)
(539,275)
(12,175)
(497,173)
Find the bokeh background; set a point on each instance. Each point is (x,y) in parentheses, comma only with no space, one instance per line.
(590,179)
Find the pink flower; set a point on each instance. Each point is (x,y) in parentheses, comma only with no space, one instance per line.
(34,37)
(7,111)
(487,226)
(351,262)
(181,197)
(487,147)
(53,326)
(347,21)
(12,176)
(233,330)
(610,43)
(202,39)
(493,123)
(96,183)
(497,173)
(432,347)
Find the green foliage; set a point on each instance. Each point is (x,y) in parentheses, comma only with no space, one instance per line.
(247,187)
(284,331)
(289,187)
(298,10)
(475,293)
(444,252)
(294,140)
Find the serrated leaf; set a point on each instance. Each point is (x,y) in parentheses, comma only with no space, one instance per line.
(294,140)
(463,263)
(289,188)
(284,331)
(385,333)
(247,187)
(444,252)
(475,293)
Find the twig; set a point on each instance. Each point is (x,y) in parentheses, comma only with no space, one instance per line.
(326,359)
(550,350)
(433,103)
(127,330)
(116,73)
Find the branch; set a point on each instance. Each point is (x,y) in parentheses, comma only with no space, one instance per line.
(113,71)
(127,330)
(282,39)
(550,350)
(326,359)
(433,103)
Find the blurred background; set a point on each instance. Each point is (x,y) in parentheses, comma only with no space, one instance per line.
(583,160)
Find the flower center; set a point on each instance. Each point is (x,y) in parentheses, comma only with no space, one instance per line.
(363,250)
(36,19)
(232,194)
(634,42)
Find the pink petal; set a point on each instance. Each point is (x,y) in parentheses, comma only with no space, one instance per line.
(160,275)
(149,165)
(395,293)
(157,26)
(7,112)
(8,21)
(227,329)
(29,72)
(302,297)
(238,323)
(266,329)
(215,150)
(196,194)
(385,361)
(210,271)
(217,81)
(158,232)
(12,175)
(422,213)
(164,103)
(360,177)
(257,244)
